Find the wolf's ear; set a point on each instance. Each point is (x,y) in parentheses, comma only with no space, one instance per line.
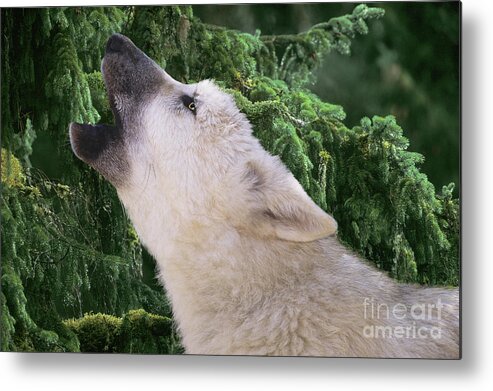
(280,206)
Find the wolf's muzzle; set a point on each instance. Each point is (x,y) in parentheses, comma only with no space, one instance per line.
(115,43)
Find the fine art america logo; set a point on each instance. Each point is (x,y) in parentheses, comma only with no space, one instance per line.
(399,320)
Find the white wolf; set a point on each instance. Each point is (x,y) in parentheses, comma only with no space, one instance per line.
(251,264)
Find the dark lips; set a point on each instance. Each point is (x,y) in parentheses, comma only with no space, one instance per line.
(89,141)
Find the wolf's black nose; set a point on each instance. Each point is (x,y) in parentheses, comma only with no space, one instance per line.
(115,43)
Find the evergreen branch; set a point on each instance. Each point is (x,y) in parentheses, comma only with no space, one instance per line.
(349,24)
(304,51)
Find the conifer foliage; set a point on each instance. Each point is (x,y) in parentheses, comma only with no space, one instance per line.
(68,248)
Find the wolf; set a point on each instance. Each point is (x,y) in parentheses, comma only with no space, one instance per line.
(251,264)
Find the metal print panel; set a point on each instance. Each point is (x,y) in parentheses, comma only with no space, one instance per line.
(232,180)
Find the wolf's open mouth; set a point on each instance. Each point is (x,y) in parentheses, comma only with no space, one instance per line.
(130,78)
(89,142)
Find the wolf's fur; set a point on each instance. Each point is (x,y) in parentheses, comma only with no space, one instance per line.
(250,263)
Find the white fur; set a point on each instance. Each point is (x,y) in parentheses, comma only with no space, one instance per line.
(246,257)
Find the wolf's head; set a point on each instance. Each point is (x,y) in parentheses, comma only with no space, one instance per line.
(185,151)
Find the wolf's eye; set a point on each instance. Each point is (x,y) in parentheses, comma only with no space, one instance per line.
(189,103)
